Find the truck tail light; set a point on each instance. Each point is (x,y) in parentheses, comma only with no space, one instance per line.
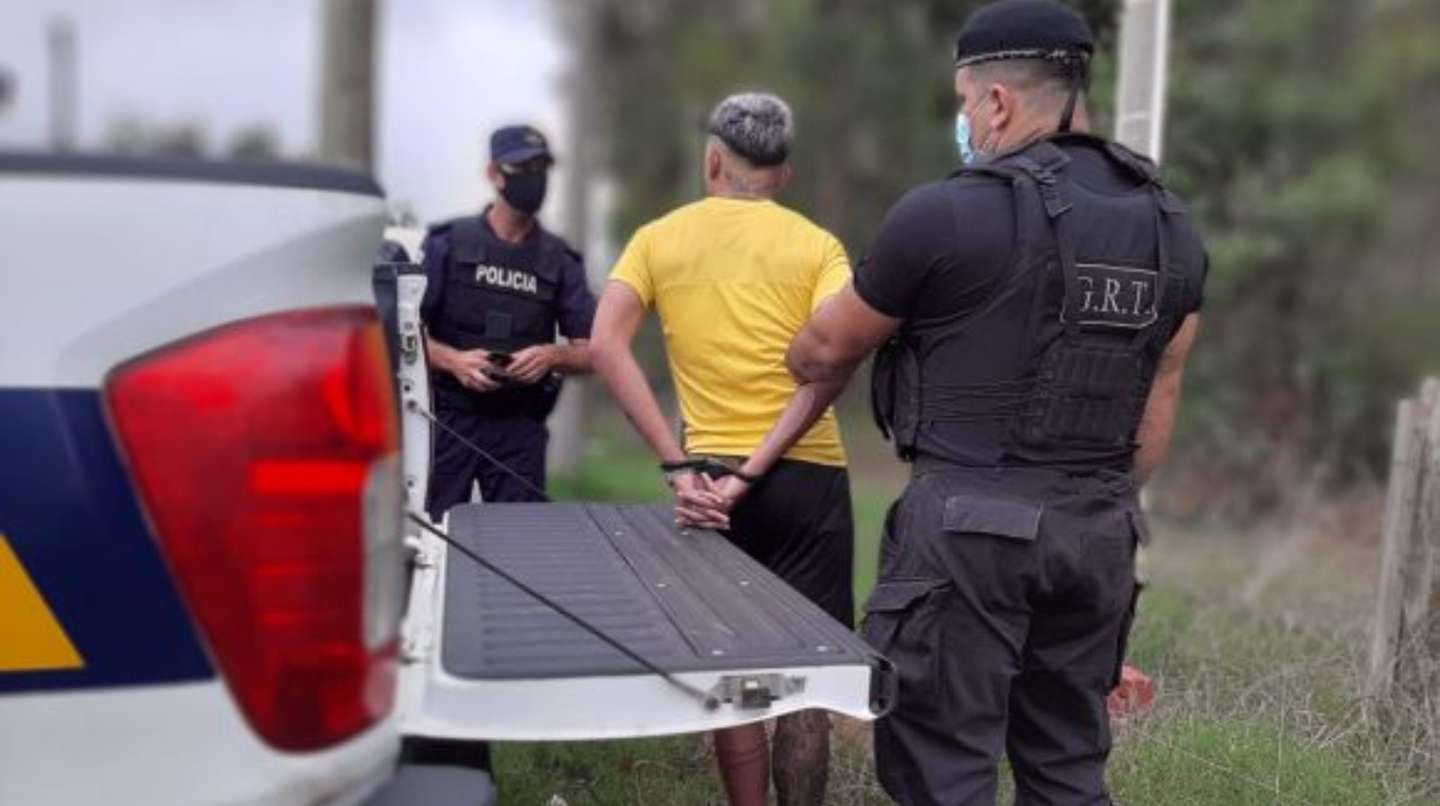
(265,454)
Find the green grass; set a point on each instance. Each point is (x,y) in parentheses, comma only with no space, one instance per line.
(1248,711)
(870,507)
(1255,704)
(613,470)
(1237,764)
(661,771)
(1163,618)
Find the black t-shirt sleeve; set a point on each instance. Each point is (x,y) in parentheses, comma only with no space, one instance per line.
(436,249)
(894,273)
(939,250)
(1197,299)
(1193,266)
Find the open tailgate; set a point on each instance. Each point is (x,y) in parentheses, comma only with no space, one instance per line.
(485,660)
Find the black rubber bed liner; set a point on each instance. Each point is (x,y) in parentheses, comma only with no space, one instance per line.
(684,600)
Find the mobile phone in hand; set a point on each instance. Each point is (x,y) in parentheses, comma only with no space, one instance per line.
(500,359)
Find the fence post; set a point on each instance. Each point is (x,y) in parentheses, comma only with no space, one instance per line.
(1406,559)
(1427,629)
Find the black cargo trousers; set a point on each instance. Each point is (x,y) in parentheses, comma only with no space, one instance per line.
(1005,597)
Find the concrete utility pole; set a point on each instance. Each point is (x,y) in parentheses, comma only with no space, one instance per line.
(64,84)
(7,89)
(1144,75)
(568,423)
(347,84)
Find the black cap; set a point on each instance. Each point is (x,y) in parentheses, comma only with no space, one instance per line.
(1024,29)
(512,144)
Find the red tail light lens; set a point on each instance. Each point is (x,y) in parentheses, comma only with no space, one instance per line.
(265,455)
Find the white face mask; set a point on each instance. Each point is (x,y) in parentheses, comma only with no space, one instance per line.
(968,153)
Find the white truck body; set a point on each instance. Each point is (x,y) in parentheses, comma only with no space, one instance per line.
(106,259)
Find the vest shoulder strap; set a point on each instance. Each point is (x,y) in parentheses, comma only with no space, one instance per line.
(553,247)
(1035,185)
(1145,171)
(1138,165)
(467,240)
(997,171)
(1045,164)
(1042,163)
(552,255)
(1042,157)
(439,230)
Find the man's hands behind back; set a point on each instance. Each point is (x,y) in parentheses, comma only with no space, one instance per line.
(705,503)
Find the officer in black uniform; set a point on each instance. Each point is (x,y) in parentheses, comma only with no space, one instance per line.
(1037,308)
(499,286)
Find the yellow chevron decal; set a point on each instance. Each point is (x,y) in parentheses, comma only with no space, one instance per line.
(31,639)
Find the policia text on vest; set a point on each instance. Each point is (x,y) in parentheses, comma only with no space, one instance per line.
(503,279)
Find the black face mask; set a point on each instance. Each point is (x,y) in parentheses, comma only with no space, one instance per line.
(525,192)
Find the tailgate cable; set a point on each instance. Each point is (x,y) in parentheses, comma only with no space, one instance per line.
(710,701)
(414,405)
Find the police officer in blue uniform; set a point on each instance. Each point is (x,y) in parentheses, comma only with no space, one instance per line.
(1036,310)
(499,288)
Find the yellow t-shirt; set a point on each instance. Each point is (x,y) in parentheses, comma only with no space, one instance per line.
(733,281)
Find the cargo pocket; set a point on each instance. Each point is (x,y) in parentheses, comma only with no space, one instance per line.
(903,624)
(992,540)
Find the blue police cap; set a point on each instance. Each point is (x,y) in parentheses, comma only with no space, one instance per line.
(1024,29)
(512,144)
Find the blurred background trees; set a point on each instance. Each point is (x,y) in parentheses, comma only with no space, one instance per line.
(1299,131)
(135,136)
(869,82)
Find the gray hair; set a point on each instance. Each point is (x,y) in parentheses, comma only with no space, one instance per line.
(758,126)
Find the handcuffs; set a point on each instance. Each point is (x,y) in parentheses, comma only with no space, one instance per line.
(711,466)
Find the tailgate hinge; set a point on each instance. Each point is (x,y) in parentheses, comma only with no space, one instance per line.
(415,648)
(755,690)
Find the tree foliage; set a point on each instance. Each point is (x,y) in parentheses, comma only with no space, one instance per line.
(1297,131)
(869,82)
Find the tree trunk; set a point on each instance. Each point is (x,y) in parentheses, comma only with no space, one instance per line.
(568,423)
(347,84)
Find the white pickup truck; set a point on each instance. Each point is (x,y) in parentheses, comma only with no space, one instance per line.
(209,437)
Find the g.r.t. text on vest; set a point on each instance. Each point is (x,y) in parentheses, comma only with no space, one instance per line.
(1116,296)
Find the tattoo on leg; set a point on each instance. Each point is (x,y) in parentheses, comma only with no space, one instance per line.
(743,756)
(801,758)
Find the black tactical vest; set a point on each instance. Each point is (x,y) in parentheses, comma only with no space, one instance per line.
(1055,368)
(498,304)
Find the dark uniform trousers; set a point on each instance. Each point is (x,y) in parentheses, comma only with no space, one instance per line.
(1005,598)
(517,440)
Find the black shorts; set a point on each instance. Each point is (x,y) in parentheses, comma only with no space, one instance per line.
(796,521)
